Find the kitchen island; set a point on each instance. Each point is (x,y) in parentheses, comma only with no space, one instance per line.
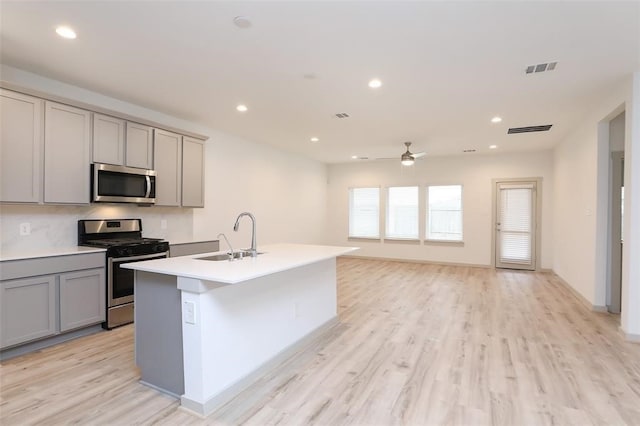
(206,329)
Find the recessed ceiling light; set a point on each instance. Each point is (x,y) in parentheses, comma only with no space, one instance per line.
(314,139)
(242,108)
(354,157)
(375,83)
(241,22)
(493,146)
(496,119)
(66,32)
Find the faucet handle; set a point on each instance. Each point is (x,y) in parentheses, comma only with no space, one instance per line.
(230,252)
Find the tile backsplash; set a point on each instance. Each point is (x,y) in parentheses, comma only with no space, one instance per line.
(57,226)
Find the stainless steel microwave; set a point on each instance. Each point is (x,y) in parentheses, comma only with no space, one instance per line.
(119,184)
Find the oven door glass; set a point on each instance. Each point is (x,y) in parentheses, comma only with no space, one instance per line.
(120,282)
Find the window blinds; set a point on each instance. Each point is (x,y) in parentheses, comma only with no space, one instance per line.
(402,212)
(516,224)
(364,212)
(444,213)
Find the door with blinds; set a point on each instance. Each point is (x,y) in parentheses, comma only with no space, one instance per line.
(516,225)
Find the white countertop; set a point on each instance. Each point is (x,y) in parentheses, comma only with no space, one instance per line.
(23,254)
(275,258)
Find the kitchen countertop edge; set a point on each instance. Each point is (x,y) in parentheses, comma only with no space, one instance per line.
(25,254)
(276,258)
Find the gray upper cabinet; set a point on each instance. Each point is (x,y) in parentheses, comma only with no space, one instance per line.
(27,309)
(122,143)
(139,146)
(20,147)
(167,160)
(67,148)
(192,172)
(46,149)
(108,140)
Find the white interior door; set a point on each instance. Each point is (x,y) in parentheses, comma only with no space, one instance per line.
(516,225)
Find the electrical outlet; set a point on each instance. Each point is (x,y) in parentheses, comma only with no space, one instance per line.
(163,224)
(189,312)
(25,228)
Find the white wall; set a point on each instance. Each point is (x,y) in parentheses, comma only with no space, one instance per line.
(581,201)
(474,172)
(630,319)
(287,193)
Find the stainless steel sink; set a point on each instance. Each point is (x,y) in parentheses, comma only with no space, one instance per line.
(227,256)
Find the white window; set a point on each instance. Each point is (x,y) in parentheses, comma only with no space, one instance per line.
(402,212)
(364,212)
(444,213)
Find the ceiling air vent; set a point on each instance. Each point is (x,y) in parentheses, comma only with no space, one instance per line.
(529,129)
(342,115)
(541,67)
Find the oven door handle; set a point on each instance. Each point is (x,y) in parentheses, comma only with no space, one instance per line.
(142,257)
(148,179)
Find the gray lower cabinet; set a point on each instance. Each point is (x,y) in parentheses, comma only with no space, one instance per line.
(82,298)
(28,309)
(43,297)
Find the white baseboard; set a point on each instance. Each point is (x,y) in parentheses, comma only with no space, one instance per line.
(217,401)
(580,297)
(426,262)
(630,337)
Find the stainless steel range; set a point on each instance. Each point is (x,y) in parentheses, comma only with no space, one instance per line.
(124,243)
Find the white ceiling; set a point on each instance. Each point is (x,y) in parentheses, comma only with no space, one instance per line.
(446,67)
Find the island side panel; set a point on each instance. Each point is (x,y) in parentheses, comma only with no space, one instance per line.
(158,332)
(241,327)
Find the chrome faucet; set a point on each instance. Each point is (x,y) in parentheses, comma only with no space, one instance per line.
(253,251)
(231,254)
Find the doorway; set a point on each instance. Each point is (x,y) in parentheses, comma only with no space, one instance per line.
(616,213)
(614,284)
(516,223)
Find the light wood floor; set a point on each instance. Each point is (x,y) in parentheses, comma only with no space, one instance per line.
(416,344)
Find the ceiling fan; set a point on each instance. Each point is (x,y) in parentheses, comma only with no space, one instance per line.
(408,157)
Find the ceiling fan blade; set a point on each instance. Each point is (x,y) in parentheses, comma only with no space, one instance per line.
(419,154)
